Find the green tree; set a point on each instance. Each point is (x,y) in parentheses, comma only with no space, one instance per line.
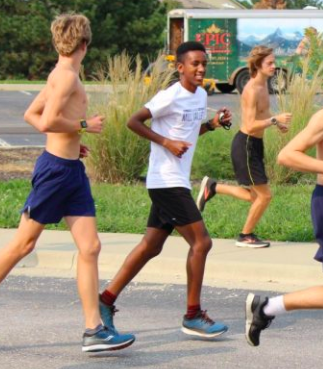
(301,4)
(136,26)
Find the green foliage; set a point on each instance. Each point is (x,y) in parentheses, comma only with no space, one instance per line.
(212,156)
(125,209)
(315,54)
(117,154)
(301,4)
(25,40)
(300,100)
(172,4)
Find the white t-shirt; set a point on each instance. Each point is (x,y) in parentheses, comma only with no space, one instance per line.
(176,114)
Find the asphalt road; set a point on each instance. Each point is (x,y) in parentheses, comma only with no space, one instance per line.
(15,132)
(41,327)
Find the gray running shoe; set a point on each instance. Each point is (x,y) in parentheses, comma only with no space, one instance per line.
(251,241)
(207,191)
(256,320)
(105,340)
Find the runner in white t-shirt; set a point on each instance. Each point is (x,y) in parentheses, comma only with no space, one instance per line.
(177,114)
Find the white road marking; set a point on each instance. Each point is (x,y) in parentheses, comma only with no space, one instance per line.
(3,143)
(25,92)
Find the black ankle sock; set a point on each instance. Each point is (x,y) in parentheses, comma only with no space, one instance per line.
(213,187)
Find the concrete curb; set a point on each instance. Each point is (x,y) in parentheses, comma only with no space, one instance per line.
(283,266)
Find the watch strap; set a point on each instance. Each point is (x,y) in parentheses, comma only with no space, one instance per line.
(208,126)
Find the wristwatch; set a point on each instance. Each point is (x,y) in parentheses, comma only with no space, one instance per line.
(273,121)
(83,124)
(209,126)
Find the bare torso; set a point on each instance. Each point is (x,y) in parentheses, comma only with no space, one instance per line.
(66,145)
(261,105)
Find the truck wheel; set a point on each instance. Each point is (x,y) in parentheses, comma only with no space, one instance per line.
(242,79)
(273,82)
(225,88)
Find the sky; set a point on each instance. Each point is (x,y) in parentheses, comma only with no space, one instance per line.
(259,28)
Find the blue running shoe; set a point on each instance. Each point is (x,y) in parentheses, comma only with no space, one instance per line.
(202,325)
(107,312)
(105,340)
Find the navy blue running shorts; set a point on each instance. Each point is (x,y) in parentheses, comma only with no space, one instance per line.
(60,188)
(317,219)
(172,207)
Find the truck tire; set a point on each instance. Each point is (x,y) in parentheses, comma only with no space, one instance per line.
(242,79)
(273,86)
(225,88)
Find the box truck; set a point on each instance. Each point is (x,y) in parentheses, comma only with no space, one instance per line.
(229,36)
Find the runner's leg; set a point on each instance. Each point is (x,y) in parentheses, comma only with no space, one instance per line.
(23,243)
(234,191)
(149,247)
(310,298)
(200,243)
(84,232)
(258,207)
(196,322)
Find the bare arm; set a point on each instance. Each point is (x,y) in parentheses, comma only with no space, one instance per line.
(249,112)
(45,112)
(137,124)
(215,122)
(35,110)
(293,154)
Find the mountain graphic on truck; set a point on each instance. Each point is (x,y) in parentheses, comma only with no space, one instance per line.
(283,43)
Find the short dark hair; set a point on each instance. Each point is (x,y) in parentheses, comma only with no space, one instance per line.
(185,47)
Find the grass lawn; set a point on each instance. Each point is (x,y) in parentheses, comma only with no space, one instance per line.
(123,208)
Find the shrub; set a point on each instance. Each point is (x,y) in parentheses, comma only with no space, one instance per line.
(213,155)
(300,100)
(117,154)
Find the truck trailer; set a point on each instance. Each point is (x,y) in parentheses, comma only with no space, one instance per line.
(229,36)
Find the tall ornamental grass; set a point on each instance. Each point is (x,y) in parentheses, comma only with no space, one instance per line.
(300,99)
(117,154)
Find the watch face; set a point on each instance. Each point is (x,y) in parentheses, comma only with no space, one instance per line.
(83,124)
(273,120)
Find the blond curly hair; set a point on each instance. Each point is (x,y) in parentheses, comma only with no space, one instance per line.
(256,56)
(69,32)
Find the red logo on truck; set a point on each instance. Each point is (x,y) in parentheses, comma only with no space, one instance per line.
(215,40)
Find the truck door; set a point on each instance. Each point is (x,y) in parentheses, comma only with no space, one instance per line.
(176,34)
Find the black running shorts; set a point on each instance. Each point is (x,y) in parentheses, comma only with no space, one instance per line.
(172,207)
(247,154)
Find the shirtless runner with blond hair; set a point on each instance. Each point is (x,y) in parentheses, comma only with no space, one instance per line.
(60,187)
(247,151)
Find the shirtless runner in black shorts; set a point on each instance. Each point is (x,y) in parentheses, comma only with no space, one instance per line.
(247,148)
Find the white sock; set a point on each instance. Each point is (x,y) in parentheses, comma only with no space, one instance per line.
(275,306)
